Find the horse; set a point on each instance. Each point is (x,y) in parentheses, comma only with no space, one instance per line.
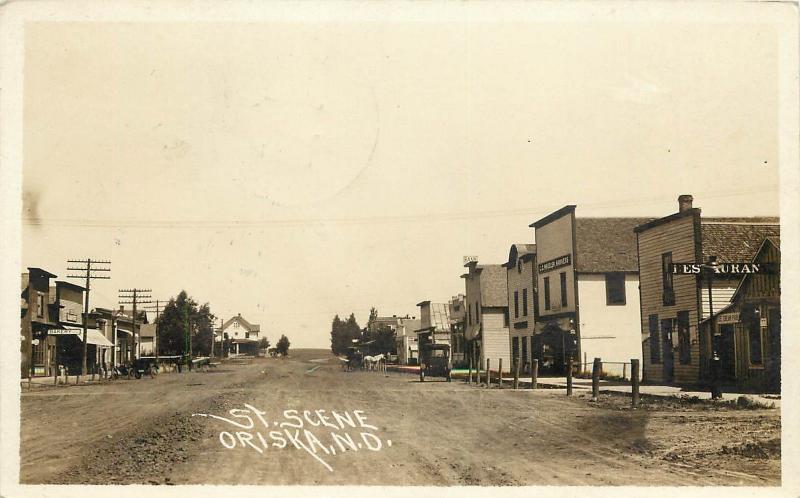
(371,362)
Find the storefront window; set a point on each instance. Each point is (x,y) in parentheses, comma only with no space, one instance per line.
(668,295)
(754,335)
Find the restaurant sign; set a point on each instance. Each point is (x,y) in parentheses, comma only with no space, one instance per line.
(724,268)
(558,262)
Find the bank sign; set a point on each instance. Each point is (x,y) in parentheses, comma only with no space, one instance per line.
(724,268)
(558,262)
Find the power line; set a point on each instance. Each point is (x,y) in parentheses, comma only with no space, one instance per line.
(87,272)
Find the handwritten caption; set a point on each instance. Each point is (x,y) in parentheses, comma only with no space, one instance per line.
(320,433)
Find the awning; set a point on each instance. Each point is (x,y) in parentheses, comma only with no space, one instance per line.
(96,338)
(124,331)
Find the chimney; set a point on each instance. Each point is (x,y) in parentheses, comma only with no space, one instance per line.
(684,203)
(121,308)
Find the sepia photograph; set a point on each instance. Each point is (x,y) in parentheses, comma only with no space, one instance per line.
(347,248)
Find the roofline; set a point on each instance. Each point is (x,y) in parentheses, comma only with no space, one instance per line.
(666,219)
(70,284)
(42,271)
(422,303)
(570,208)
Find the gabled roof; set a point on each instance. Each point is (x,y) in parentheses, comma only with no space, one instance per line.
(251,327)
(519,251)
(494,287)
(606,244)
(734,240)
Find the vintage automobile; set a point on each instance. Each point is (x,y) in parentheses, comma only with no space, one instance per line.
(435,361)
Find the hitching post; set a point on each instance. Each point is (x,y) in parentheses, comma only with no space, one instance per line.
(516,374)
(488,373)
(469,374)
(569,376)
(534,373)
(634,383)
(500,375)
(596,379)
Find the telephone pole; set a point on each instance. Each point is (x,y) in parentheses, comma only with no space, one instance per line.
(86,271)
(158,308)
(134,296)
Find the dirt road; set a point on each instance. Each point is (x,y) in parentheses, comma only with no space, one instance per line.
(304,421)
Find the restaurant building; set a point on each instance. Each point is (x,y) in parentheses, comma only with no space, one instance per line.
(520,275)
(587,291)
(681,256)
(487,315)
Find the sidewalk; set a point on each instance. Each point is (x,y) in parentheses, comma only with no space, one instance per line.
(606,387)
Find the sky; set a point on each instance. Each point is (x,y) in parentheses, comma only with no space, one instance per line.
(292,171)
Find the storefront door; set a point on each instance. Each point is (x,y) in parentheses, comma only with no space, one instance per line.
(727,352)
(774,354)
(667,354)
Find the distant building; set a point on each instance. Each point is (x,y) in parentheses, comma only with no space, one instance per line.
(520,275)
(458,318)
(244,335)
(405,336)
(587,286)
(486,300)
(434,326)
(676,339)
(117,327)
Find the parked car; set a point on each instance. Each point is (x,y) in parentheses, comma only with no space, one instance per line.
(435,361)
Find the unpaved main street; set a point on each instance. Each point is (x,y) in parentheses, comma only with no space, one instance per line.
(432,433)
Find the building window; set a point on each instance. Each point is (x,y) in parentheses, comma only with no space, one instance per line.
(519,266)
(516,304)
(40,305)
(514,349)
(38,353)
(477,313)
(469,314)
(236,325)
(247,335)
(684,344)
(668,293)
(524,351)
(615,289)
(505,318)
(563,276)
(525,302)
(754,336)
(547,293)
(655,342)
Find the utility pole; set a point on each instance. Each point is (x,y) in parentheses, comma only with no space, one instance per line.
(134,296)
(86,271)
(158,308)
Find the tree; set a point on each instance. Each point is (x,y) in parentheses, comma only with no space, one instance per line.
(181,312)
(283,345)
(384,339)
(373,316)
(264,343)
(343,333)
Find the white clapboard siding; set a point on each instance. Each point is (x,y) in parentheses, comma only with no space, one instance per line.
(721,294)
(495,338)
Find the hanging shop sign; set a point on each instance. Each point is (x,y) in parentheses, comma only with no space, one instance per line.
(558,262)
(725,268)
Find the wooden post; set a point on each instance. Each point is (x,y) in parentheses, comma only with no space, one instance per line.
(469,374)
(634,383)
(569,376)
(500,375)
(516,374)
(534,373)
(488,373)
(596,378)
(624,370)
(585,363)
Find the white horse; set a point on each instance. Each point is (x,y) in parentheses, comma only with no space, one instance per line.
(371,362)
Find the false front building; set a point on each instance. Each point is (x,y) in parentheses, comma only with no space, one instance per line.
(681,256)
(520,274)
(587,290)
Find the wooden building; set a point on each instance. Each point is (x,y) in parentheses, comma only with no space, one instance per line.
(520,276)
(486,302)
(675,348)
(587,279)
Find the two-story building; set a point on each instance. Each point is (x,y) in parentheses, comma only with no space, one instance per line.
(486,301)
(587,280)
(35,320)
(458,317)
(520,276)
(244,336)
(677,255)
